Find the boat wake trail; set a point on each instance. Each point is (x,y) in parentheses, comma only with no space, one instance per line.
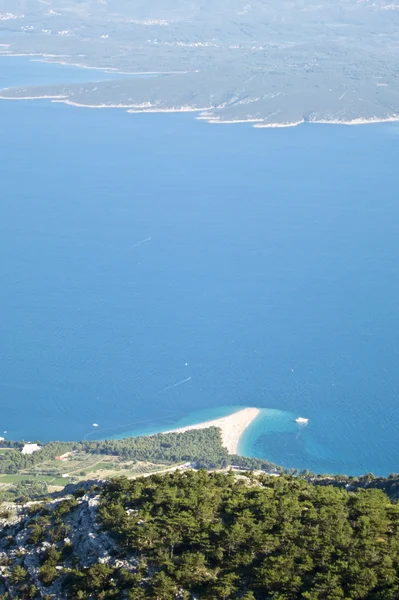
(169,387)
(141,242)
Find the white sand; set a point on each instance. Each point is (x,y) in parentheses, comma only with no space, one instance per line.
(232,427)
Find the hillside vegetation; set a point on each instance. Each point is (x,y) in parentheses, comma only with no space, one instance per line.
(202,445)
(204,535)
(31,474)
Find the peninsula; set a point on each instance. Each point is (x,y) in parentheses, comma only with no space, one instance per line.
(232,427)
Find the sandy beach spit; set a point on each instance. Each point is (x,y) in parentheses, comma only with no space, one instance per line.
(232,427)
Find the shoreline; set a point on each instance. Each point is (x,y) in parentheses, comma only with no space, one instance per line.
(147,107)
(108,70)
(232,427)
(52,98)
(263,125)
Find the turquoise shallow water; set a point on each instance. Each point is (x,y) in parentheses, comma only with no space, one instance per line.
(154,266)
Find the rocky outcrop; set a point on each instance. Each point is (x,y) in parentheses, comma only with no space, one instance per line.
(28,532)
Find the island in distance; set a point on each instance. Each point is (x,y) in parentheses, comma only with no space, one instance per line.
(268,62)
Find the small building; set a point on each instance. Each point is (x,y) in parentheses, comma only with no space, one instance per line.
(30,448)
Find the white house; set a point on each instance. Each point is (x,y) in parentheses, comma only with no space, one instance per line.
(30,448)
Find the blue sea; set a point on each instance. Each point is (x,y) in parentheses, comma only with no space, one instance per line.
(158,270)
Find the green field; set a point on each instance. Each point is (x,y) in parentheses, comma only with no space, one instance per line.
(79,467)
(21,477)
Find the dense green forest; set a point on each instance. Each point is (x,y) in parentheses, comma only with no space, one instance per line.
(202,446)
(210,536)
(255,537)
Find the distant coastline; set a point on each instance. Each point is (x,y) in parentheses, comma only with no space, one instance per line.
(156,105)
(232,427)
(151,108)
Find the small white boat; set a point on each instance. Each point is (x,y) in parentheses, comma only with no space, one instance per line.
(301,420)
(95,424)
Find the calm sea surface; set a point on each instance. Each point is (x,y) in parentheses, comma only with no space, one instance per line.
(156,269)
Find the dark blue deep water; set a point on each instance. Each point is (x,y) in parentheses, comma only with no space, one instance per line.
(155,268)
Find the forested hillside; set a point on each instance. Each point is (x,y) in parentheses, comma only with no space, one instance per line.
(202,446)
(30,475)
(208,536)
